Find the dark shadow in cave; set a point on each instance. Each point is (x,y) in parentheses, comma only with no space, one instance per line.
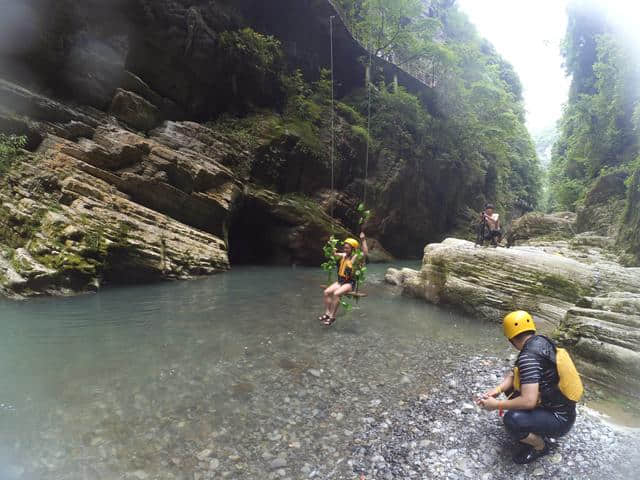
(257,237)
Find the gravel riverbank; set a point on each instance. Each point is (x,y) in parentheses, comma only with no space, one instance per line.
(442,434)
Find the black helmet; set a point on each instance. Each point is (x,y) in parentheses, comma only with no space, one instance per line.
(489,205)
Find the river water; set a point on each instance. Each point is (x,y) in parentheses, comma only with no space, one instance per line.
(226,377)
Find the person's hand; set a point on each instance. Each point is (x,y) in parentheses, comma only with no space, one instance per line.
(488,403)
(489,393)
(362,236)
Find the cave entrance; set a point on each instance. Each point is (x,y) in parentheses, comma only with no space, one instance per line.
(257,237)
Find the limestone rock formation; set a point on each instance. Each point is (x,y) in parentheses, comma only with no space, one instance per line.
(68,227)
(546,280)
(97,202)
(377,253)
(603,334)
(134,110)
(556,226)
(603,206)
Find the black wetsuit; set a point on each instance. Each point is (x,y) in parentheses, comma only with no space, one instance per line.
(555,415)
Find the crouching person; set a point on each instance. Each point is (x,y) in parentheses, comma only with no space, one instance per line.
(542,390)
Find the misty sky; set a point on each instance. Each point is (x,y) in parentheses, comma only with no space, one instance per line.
(528,34)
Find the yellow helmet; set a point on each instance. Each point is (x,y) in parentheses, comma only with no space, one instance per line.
(353,242)
(517,322)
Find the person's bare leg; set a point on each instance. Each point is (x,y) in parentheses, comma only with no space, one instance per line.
(534,440)
(335,304)
(328,297)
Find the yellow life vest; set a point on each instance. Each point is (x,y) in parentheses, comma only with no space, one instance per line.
(345,268)
(570,383)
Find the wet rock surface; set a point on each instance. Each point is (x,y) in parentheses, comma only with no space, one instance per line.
(604,334)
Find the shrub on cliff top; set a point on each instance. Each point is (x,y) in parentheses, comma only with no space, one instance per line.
(255,65)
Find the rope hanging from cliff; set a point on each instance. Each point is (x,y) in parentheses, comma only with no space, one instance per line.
(333,112)
(366,161)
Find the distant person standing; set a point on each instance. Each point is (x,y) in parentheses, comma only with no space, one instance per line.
(490,228)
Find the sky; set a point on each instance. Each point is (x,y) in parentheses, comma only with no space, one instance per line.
(528,34)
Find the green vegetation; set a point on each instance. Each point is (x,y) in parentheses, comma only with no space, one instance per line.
(600,128)
(629,237)
(253,64)
(395,30)
(475,144)
(433,156)
(10,150)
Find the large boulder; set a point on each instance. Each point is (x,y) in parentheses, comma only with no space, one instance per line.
(540,226)
(68,228)
(489,282)
(603,334)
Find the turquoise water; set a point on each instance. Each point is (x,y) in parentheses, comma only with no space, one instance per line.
(136,382)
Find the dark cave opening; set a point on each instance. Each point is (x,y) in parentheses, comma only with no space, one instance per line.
(257,237)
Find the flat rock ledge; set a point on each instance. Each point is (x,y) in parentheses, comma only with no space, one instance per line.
(575,289)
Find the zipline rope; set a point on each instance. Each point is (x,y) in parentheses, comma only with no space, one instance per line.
(332,122)
(366,162)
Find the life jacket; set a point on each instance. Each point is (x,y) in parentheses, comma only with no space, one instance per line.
(345,269)
(570,385)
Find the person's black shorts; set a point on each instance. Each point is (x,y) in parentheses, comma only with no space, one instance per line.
(344,281)
(520,423)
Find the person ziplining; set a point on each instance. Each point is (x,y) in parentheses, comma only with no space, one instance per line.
(348,262)
(351,261)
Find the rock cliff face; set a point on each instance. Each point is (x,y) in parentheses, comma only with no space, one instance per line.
(122,184)
(97,202)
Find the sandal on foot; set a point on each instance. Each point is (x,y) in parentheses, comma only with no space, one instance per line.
(322,318)
(529,455)
(329,321)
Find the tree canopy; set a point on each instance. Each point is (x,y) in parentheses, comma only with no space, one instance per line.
(599,128)
(481,119)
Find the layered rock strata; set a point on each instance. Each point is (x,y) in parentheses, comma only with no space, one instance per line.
(98,202)
(604,336)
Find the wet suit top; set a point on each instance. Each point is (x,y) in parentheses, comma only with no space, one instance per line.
(537,364)
(345,272)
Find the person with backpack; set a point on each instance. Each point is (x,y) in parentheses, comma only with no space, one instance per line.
(542,390)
